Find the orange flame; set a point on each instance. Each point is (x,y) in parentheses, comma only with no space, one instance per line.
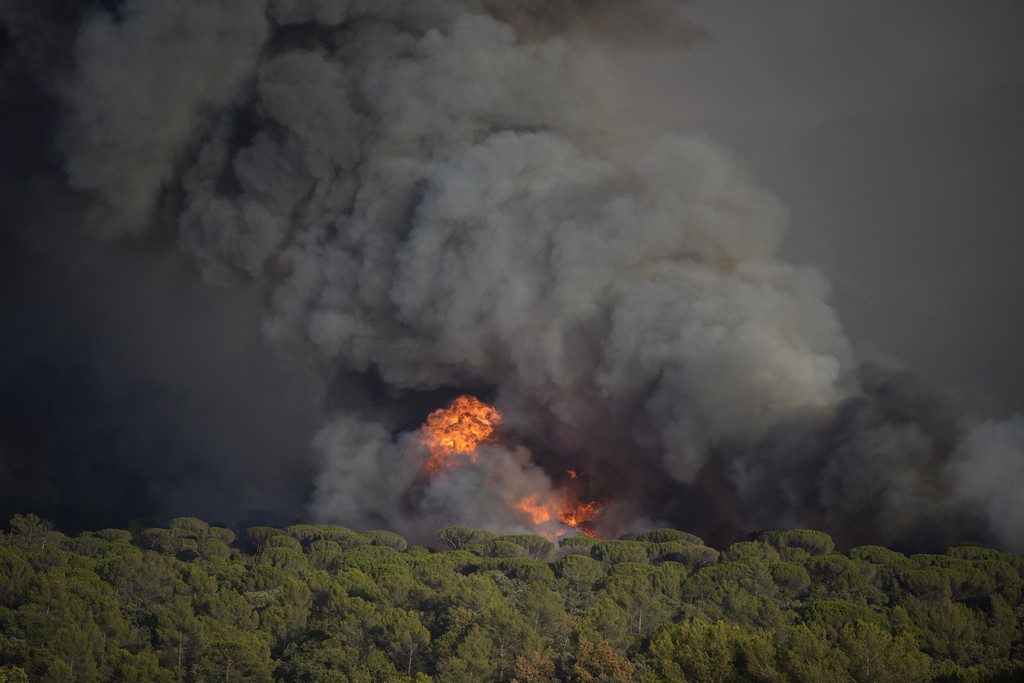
(457,430)
(539,512)
(581,516)
(565,508)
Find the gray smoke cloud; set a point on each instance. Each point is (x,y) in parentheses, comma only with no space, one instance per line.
(142,87)
(450,194)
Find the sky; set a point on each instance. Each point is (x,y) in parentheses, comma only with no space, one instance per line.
(892,133)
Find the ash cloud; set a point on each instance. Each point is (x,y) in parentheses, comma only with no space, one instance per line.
(455,194)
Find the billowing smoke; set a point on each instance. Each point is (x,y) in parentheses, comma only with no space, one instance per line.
(451,194)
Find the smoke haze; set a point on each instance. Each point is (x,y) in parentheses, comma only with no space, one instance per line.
(240,228)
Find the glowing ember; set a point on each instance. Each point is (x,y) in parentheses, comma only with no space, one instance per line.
(572,473)
(457,431)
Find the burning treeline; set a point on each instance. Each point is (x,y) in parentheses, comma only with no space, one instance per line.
(452,436)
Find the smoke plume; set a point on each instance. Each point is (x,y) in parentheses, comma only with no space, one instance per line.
(451,195)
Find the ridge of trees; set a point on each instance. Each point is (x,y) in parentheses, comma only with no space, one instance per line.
(322,602)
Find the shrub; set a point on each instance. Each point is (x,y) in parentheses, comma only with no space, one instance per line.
(285,559)
(693,557)
(386,539)
(524,569)
(750,550)
(216,533)
(155,539)
(791,578)
(213,550)
(669,536)
(537,547)
(283,541)
(115,535)
(577,544)
(460,537)
(192,524)
(876,554)
(257,536)
(498,548)
(816,543)
(319,546)
(579,570)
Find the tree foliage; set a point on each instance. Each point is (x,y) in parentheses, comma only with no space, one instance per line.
(327,603)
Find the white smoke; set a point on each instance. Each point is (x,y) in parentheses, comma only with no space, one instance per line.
(371,479)
(456,193)
(646,279)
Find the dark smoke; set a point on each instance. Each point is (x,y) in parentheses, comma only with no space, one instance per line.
(410,200)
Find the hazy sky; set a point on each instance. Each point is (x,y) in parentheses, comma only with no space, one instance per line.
(893,132)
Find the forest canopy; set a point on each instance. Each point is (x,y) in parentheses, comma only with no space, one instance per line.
(197,602)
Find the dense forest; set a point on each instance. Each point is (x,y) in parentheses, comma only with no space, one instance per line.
(324,603)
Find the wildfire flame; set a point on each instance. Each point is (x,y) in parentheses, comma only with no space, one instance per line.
(580,516)
(538,511)
(456,432)
(565,508)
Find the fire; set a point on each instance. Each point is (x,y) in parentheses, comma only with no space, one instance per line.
(580,515)
(457,431)
(565,508)
(539,512)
